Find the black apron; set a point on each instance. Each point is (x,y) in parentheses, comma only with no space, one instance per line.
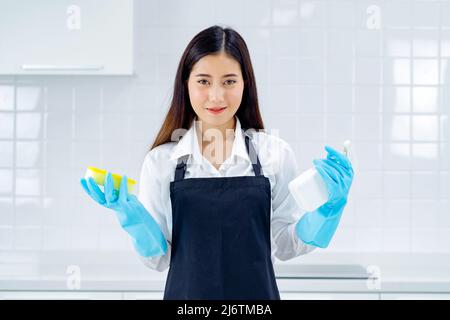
(221,236)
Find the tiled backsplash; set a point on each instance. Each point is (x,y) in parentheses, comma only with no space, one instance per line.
(375,72)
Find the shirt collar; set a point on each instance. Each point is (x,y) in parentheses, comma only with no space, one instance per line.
(188,144)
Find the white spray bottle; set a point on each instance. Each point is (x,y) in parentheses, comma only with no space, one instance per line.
(309,190)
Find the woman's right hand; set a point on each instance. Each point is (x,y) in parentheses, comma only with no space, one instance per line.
(147,236)
(110,198)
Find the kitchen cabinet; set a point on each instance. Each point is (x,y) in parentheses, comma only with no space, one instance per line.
(415,296)
(147,295)
(328,296)
(59,295)
(158,295)
(81,37)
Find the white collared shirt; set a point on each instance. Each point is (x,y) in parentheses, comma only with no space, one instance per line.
(278,164)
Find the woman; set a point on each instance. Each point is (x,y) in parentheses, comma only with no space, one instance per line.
(214,203)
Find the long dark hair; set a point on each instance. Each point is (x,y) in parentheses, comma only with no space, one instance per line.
(212,40)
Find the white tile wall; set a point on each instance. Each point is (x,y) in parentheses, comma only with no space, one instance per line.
(376,72)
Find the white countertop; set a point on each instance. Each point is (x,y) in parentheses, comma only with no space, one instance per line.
(284,285)
(322,272)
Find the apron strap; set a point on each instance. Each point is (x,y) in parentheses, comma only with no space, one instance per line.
(181,168)
(253,156)
(182,161)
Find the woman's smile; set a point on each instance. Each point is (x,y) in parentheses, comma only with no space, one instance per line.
(216,111)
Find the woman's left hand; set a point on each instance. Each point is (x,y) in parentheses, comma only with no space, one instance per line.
(337,173)
(318,227)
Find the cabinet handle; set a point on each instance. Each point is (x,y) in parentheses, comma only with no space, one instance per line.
(62,67)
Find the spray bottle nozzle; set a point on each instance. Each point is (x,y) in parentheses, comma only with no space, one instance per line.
(347,145)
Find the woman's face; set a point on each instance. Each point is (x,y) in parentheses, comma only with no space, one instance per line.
(216,82)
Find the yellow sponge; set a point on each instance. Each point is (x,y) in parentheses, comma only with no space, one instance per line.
(99,176)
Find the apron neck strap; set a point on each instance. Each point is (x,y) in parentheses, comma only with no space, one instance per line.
(253,156)
(181,168)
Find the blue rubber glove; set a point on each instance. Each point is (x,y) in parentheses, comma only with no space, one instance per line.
(147,237)
(318,227)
